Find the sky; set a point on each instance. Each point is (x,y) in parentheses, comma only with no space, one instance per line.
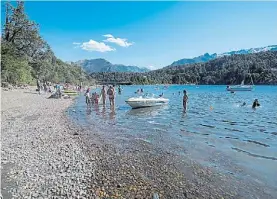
(152,34)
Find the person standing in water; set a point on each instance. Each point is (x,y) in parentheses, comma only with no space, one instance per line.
(185,100)
(110,92)
(255,104)
(119,90)
(87,95)
(103,93)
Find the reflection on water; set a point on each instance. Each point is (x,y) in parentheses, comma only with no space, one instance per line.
(112,113)
(147,111)
(215,122)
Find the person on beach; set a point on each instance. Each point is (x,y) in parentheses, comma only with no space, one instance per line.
(45,87)
(110,93)
(38,86)
(255,104)
(185,100)
(103,93)
(87,95)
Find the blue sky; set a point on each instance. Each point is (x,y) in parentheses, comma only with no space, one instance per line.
(155,33)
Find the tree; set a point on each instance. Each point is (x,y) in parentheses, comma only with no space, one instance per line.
(26,56)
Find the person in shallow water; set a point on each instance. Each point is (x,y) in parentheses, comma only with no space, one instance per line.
(119,90)
(87,96)
(255,103)
(185,100)
(111,93)
(103,93)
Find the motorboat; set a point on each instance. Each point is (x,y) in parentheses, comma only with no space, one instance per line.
(241,87)
(146,101)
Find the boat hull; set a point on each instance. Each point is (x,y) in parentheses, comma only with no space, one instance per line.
(246,88)
(146,103)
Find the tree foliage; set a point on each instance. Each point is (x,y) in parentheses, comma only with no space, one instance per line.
(26,56)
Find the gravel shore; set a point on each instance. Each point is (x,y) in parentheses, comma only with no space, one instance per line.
(46,156)
(41,156)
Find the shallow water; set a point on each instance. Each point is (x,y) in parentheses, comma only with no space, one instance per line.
(216,131)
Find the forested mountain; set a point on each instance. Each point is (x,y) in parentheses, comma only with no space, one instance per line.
(224,70)
(102,65)
(25,56)
(207,57)
(202,58)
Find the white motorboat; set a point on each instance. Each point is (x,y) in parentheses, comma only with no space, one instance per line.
(241,87)
(146,101)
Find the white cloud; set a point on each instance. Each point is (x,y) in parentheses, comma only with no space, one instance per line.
(119,41)
(92,45)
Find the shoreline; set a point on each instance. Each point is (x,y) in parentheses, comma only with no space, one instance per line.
(50,156)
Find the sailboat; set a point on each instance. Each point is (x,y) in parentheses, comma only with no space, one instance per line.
(241,87)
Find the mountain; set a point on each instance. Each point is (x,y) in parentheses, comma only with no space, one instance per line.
(226,70)
(202,58)
(102,65)
(207,57)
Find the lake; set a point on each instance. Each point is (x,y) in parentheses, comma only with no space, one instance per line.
(216,131)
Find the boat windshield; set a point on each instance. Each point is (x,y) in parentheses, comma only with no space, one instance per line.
(148,95)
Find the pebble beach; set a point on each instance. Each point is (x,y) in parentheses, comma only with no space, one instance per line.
(44,155)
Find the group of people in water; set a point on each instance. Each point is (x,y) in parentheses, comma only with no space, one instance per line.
(254,105)
(94,98)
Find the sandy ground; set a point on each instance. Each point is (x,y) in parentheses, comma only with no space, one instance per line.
(46,156)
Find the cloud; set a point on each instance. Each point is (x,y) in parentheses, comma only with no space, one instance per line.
(92,45)
(119,41)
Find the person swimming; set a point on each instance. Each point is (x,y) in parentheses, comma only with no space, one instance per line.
(161,95)
(255,103)
(243,104)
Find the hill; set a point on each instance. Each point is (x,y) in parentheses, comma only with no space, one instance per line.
(102,65)
(207,57)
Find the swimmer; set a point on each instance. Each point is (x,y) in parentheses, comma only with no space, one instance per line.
(255,103)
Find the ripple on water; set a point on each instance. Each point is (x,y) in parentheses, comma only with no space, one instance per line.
(259,143)
(254,155)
